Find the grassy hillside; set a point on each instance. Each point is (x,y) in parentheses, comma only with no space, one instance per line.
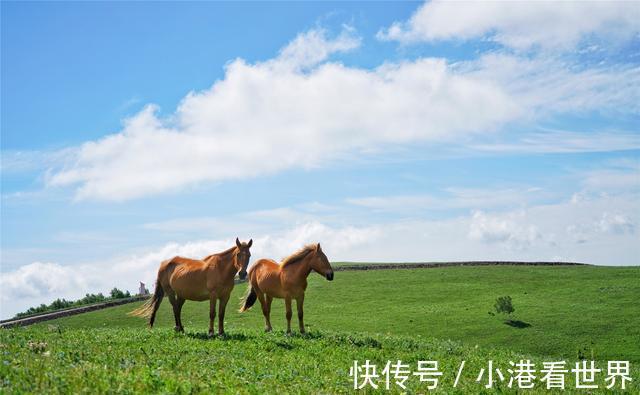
(407,315)
(568,308)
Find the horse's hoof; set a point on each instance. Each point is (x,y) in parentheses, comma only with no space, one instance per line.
(267,330)
(211,335)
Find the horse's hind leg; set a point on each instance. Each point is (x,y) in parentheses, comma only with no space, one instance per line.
(176,309)
(178,313)
(265,302)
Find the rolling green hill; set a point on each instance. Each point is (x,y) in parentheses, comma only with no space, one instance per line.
(429,314)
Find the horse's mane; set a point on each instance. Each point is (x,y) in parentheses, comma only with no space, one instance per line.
(298,255)
(225,252)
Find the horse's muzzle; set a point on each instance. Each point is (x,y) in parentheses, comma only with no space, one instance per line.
(329,276)
(242,275)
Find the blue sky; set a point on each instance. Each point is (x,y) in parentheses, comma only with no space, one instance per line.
(132,132)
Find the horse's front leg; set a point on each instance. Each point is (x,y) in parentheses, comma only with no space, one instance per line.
(287,303)
(212,312)
(223,306)
(299,304)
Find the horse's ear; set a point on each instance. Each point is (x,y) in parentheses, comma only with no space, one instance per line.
(250,243)
(238,243)
(318,247)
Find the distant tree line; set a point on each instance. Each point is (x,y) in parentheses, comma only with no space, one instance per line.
(60,304)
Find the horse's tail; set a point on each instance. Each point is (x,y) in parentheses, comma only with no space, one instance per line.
(249,300)
(150,307)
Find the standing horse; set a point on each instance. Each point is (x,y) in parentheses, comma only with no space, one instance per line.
(210,279)
(288,280)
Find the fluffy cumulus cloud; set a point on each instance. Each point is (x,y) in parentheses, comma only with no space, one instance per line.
(313,47)
(294,110)
(300,109)
(518,25)
(616,223)
(507,229)
(40,279)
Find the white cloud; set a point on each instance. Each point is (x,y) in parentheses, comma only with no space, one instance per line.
(614,178)
(559,141)
(397,202)
(301,110)
(608,224)
(311,48)
(271,116)
(16,162)
(455,198)
(507,229)
(616,223)
(519,25)
(39,279)
(548,85)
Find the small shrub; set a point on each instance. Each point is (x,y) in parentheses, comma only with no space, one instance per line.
(504,305)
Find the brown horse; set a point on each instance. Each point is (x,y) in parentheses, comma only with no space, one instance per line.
(288,280)
(210,279)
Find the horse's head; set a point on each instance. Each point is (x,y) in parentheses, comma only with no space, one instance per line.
(320,263)
(242,256)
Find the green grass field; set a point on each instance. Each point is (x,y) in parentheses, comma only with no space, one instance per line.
(423,314)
